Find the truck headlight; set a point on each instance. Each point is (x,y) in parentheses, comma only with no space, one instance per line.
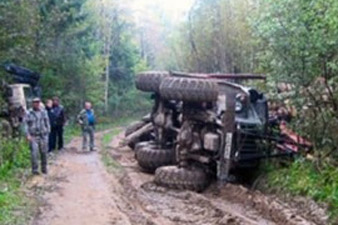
(238,106)
(240,101)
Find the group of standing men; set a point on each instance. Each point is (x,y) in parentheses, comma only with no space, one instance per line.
(44,125)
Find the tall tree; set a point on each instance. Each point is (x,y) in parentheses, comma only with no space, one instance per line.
(217,37)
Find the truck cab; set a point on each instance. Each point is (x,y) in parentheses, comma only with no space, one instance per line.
(20,95)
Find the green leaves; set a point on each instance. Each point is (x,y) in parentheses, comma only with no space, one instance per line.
(300,47)
(14,162)
(303,178)
(216,38)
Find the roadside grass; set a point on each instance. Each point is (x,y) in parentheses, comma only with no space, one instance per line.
(73,129)
(108,123)
(108,161)
(15,206)
(304,178)
(107,138)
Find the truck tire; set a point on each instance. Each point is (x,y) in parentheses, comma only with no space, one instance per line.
(134,142)
(194,179)
(151,157)
(143,144)
(189,89)
(133,127)
(150,81)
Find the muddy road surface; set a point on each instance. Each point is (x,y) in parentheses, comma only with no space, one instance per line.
(81,190)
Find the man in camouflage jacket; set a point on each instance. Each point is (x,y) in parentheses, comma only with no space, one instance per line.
(86,119)
(37,129)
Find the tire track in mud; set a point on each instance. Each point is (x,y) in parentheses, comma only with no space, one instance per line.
(232,204)
(162,206)
(79,190)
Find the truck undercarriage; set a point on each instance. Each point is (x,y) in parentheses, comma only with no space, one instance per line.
(207,126)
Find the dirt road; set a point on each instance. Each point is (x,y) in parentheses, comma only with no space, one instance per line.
(80,191)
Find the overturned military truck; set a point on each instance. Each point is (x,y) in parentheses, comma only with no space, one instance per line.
(205,126)
(23,86)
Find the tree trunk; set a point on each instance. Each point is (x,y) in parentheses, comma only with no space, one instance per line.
(106,86)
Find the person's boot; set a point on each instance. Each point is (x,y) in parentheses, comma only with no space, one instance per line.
(35,173)
(44,171)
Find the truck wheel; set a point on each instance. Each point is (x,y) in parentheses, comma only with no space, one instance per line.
(151,157)
(133,127)
(194,179)
(150,81)
(189,89)
(144,133)
(134,142)
(144,144)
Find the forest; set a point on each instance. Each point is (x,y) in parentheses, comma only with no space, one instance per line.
(93,50)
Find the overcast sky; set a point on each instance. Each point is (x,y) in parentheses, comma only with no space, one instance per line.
(176,9)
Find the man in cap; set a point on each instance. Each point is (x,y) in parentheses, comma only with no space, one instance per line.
(37,129)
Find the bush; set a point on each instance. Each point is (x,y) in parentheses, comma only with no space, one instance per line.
(14,154)
(318,181)
(14,161)
(299,39)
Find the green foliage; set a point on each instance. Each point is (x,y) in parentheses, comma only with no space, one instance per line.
(71,130)
(131,103)
(14,154)
(299,39)
(12,199)
(65,41)
(306,179)
(216,38)
(298,45)
(14,162)
(57,39)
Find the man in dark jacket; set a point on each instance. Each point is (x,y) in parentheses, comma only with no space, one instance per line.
(57,125)
(49,109)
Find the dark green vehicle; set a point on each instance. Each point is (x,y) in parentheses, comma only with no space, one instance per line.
(219,131)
